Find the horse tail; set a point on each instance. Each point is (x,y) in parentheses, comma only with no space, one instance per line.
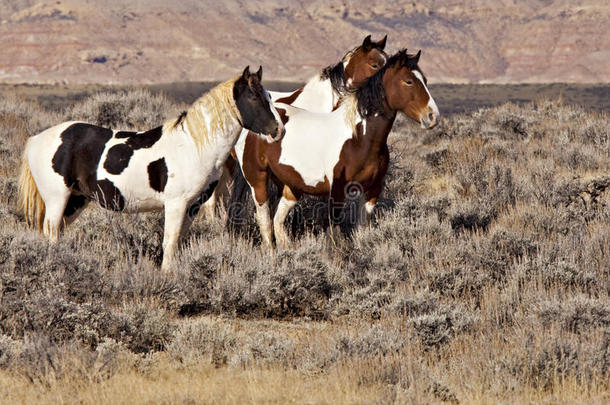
(30,200)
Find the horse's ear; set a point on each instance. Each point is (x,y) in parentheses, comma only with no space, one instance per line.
(260,73)
(403,56)
(367,44)
(381,44)
(416,59)
(246,73)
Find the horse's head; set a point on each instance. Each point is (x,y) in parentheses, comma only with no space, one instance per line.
(256,110)
(364,61)
(406,90)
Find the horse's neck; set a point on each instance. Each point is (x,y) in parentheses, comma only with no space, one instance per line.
(317,96)
(221,136)
(372,132)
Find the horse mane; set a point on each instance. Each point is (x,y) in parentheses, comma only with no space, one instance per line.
(208,114)
(370,97)
(336,75)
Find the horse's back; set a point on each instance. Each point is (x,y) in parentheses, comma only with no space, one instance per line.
(51,134)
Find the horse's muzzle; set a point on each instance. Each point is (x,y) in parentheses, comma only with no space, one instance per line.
(281,131)
(429,119)
(280,134)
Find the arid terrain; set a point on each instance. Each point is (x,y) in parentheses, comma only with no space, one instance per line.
(156,41)
(484,279)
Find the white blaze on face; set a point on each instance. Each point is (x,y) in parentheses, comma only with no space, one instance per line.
(276,115)
(431,104)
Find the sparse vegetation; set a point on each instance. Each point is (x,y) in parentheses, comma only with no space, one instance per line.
(484,279)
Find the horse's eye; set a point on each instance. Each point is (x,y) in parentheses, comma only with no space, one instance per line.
(408,82)
(375,66)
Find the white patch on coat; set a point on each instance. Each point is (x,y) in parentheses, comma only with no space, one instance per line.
(313,142)
(276,115)
(317,96)
(40,151)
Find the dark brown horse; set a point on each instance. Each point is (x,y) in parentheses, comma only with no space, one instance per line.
(329,153)
(320,94)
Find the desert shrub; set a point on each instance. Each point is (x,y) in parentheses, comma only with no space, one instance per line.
(557,358)
(199,338)
(267,348)
(440,326)
(374,340)
(134,109)
(236,277)
(20,118)
(9,351)
(470,216)
(577,314)
(565,273)
(145,329)
(142,280)
(493,227)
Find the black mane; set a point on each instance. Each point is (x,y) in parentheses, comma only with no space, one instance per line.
(336,75)
(180,119)
(371,95)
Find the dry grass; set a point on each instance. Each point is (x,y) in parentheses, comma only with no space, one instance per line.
(485,279)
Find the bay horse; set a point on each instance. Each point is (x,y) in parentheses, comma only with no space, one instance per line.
(329,153)
(173,167)
(320,94)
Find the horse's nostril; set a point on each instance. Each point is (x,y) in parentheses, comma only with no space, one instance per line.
(431,116)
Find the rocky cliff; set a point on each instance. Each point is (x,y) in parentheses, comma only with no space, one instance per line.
(146,41)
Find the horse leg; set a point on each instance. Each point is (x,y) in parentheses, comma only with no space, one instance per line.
(221,192)
(336,204)
(76,204)
(175,215)
(258,185)
(287,202)
(365,210)
(368,199)
(55,197)
(209,207)
(53,216)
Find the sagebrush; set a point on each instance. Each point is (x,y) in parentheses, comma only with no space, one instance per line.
(488,263)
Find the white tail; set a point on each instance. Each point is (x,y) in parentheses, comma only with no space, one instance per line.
(30,201)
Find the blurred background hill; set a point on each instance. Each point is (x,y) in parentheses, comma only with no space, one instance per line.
(157,41)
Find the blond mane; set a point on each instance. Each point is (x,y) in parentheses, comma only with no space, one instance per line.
(350,103)
(210,114)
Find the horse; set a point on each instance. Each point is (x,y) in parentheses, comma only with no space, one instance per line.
(174,167)
(320,94)
(332,153)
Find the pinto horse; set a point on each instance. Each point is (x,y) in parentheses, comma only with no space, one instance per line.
(173,167)
(326,154)
(320,94)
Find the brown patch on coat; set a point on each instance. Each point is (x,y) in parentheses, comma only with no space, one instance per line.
(291,98)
